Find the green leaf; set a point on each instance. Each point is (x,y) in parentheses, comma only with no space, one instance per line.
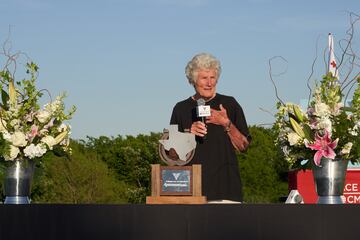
(297,128)
(4,98)
(293,117)
(348,109)
(309,135)
(298,113)
(12,93)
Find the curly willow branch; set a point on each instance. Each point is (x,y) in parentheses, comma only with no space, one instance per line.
(350,33)
(271,76)
(348,56)
(267,111)
(11,58)
(312,69)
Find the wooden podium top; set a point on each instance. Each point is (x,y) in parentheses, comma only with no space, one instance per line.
(176,200)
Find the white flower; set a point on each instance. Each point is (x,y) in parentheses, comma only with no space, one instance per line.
(14,151)
(6,136)
(322,110)
(337,108)
(33,151)
(325,123)
(13,110)
(18,139)
(15,123)
(62,127)
(293,138)
(354,131)
(55,105)
(49,124)
(346,149)
(49,140)
(29,117)
(43,116)
(43,131)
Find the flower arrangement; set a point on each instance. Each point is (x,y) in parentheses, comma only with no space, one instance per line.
(326,129)
(329,127)
(26,129)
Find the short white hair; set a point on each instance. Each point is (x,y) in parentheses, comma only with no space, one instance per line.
(202,61)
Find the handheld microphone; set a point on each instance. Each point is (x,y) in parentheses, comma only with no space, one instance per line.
(202,110)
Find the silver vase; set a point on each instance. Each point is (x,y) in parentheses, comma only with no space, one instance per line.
(330,180)
(17,182)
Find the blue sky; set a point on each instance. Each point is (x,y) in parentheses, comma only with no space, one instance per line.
(122,62)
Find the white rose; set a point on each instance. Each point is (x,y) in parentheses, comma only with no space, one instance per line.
(322,110)
(43,116)
(18,139)
(293,138)
(33,151)
(14,151)
(49,140)
(325,124)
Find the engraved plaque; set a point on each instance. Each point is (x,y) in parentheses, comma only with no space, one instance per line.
(176,180)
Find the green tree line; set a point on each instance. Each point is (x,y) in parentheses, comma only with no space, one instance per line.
(118,170)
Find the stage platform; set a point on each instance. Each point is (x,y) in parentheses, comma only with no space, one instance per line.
(180,222)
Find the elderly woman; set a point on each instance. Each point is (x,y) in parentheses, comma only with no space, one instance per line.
(220,136)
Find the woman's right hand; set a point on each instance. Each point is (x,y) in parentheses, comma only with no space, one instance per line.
(198,128)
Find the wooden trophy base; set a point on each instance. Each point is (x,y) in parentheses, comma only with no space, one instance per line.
(176,200)
(161,196)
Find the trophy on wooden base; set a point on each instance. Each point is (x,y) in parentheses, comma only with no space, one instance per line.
(176,183)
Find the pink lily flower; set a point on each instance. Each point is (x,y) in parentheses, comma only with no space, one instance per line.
(324,146)
(34,132)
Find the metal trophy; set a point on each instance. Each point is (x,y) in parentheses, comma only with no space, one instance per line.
(176,183)
(176,148)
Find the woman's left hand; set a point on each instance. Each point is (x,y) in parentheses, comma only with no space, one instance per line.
(218,117)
